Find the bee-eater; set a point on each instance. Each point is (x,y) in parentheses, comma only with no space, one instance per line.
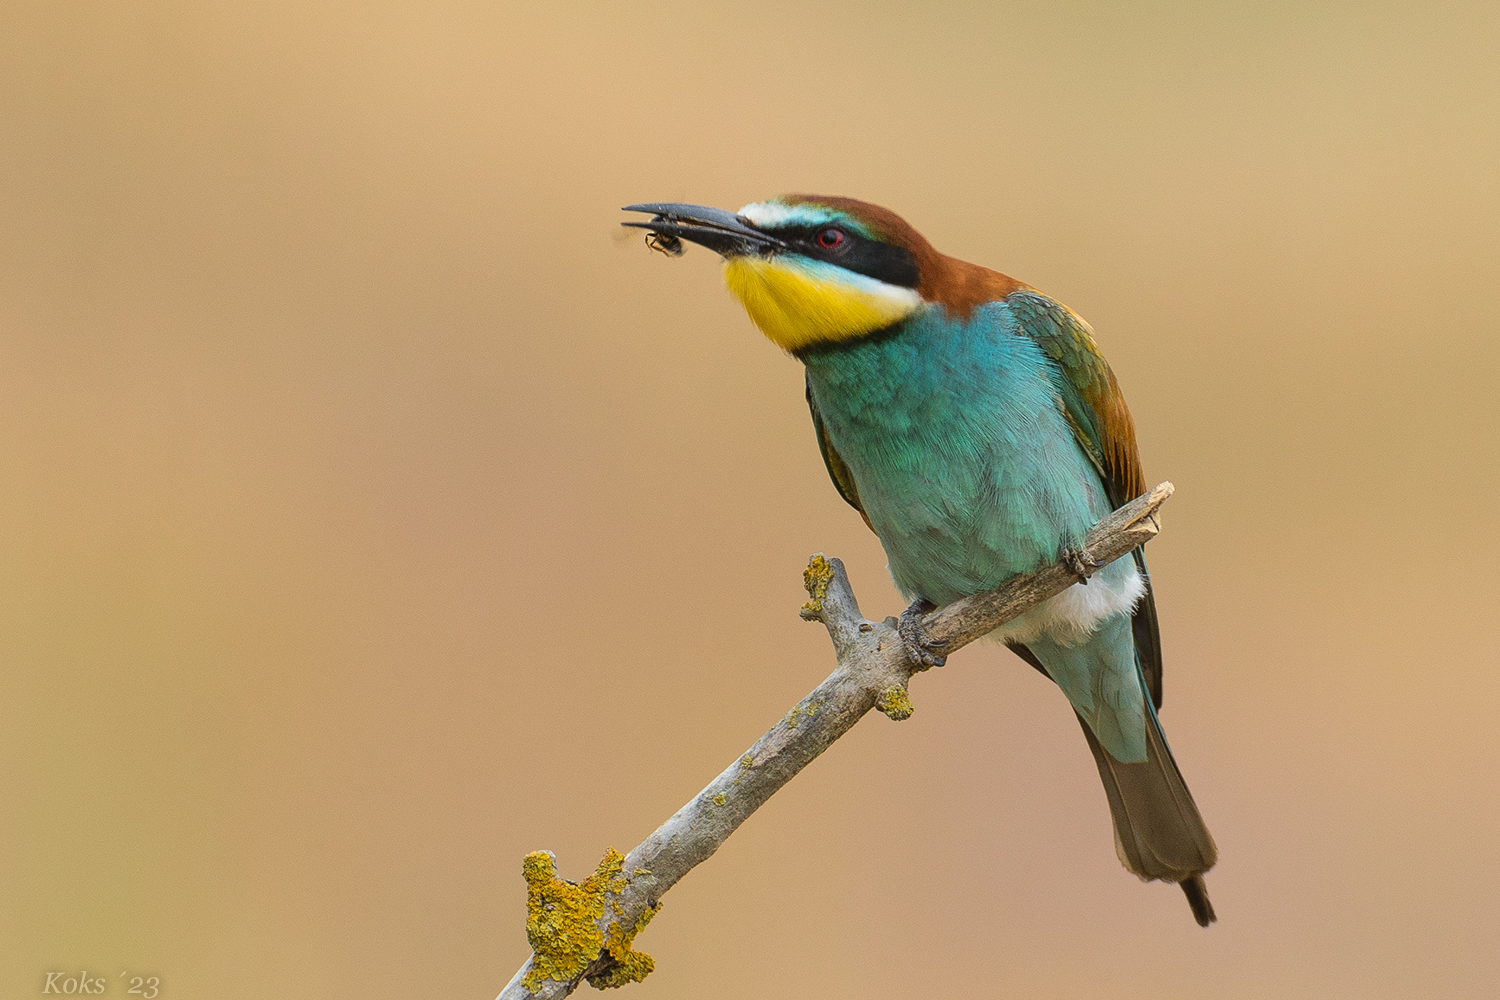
(973,423)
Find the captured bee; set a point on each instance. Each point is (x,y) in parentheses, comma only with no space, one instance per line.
(665,243)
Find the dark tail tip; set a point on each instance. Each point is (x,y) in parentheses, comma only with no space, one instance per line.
(1197,894)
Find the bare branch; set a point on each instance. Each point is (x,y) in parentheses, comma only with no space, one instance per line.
(585,931)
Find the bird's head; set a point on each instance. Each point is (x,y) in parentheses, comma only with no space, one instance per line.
(814,270)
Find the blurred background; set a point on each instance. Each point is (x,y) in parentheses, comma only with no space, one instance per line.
(374,510)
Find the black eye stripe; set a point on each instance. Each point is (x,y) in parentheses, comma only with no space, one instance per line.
(862,255)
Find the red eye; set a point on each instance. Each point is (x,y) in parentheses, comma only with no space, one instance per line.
(831,239)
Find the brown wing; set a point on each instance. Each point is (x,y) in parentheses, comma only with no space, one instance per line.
(1102,425)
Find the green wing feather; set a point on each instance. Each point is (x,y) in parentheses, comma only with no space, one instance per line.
(843,479)
(1091,397)
(1095,407)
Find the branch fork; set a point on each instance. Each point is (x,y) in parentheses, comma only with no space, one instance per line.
(584,931)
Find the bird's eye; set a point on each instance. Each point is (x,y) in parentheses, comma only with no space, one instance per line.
(831,239)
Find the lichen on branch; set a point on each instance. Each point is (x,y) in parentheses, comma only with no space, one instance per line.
(895,703)
(562,924)
(630,966)
(816,578)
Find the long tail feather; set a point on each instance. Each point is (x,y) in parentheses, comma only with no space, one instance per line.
(1159,833)
(1197,897)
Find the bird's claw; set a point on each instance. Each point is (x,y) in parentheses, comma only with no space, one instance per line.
(919,646)
(1081,564)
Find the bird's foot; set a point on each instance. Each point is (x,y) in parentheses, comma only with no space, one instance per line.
(914,634)
(1080,563)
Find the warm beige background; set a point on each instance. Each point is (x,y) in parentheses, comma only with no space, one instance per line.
(373,512)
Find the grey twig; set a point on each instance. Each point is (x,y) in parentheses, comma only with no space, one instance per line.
(585,930)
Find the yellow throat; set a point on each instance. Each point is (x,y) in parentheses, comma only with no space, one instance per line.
(799,302)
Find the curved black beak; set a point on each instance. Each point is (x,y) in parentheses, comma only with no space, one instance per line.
(722,232)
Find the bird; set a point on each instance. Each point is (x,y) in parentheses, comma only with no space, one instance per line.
(973,423)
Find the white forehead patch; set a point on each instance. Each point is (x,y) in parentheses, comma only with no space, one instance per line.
(775,214)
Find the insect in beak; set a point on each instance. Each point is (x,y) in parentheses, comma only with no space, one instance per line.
(665,243)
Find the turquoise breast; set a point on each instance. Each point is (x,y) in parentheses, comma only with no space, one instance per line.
(955,436)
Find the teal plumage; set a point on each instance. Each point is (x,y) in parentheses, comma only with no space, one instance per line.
(974,424)
(964,496)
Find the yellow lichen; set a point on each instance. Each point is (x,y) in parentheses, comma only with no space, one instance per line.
(720,799)
(630,966)
(562,923)
(791,717)
(895,703)
(747,760)
(816,578)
